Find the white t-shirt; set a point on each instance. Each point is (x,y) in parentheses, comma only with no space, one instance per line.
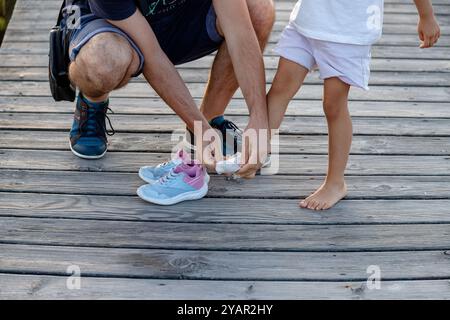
(344,21)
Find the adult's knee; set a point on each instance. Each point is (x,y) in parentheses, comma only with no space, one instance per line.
(262,13)
(102,65)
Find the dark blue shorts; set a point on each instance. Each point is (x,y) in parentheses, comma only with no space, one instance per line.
(183,37)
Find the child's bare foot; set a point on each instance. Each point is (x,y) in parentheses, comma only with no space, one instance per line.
(325,197)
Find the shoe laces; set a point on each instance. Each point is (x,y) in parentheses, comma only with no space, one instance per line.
(230,125)
(168,178)
(164,164)
(95,123)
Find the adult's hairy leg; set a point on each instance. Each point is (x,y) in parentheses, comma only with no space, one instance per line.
(222,83)
(106,63)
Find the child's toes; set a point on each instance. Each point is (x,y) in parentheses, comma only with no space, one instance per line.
(321,206)
(306,202)
(317,205)
(312,205)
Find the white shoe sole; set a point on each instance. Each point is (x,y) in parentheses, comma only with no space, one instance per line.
(79,155)
(188,196)
(150,181)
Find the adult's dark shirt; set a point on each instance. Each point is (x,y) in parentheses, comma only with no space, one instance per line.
(183,27)
(153,10)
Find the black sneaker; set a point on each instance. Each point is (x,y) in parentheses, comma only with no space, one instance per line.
(88,137)
(231,135)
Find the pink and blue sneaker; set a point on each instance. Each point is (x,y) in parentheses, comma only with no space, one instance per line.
(183,183)
(152,174)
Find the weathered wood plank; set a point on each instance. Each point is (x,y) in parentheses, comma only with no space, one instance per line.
(393,78)
(143,90)
(391,39)
(271,63)
(291,125)
(200,265)
(50,14)
(258,211)
(235,237)
(269,187)
(48,287)
(43,26)
(392,52)
(361,165)
(19,26)
(124,106)
(292,144)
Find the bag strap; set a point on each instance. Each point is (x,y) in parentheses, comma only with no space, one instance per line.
(65,37)
(61,15)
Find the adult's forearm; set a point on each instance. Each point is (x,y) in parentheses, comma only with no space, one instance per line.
(425,8)
(248,64)
(166,81)
(160,72)
(245,52)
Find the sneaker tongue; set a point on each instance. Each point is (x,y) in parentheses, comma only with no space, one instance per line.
(218,121)
(95,105)
(95,123)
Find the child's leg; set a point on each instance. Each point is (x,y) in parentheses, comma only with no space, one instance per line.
(287,82)
(340,139)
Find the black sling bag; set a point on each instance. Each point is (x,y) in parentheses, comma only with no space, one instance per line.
(60,86)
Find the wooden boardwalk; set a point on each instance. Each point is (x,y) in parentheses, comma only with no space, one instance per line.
(247,239)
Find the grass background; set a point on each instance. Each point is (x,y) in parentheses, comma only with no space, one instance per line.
(6,9)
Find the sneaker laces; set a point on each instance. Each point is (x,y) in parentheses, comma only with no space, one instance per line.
(168,178)
(110,132)
(164,164)
(171,161)
(230,125)
(95,123)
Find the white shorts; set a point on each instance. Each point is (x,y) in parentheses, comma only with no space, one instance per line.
(348,62)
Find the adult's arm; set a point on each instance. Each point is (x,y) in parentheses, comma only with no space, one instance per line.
(163,76)
(159,70)
(245,52)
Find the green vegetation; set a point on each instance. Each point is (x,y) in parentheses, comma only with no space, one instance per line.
(6,8)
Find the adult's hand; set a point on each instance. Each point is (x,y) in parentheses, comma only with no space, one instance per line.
(246,56)
(256,140)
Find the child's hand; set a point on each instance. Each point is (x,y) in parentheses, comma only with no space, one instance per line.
(429,32)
